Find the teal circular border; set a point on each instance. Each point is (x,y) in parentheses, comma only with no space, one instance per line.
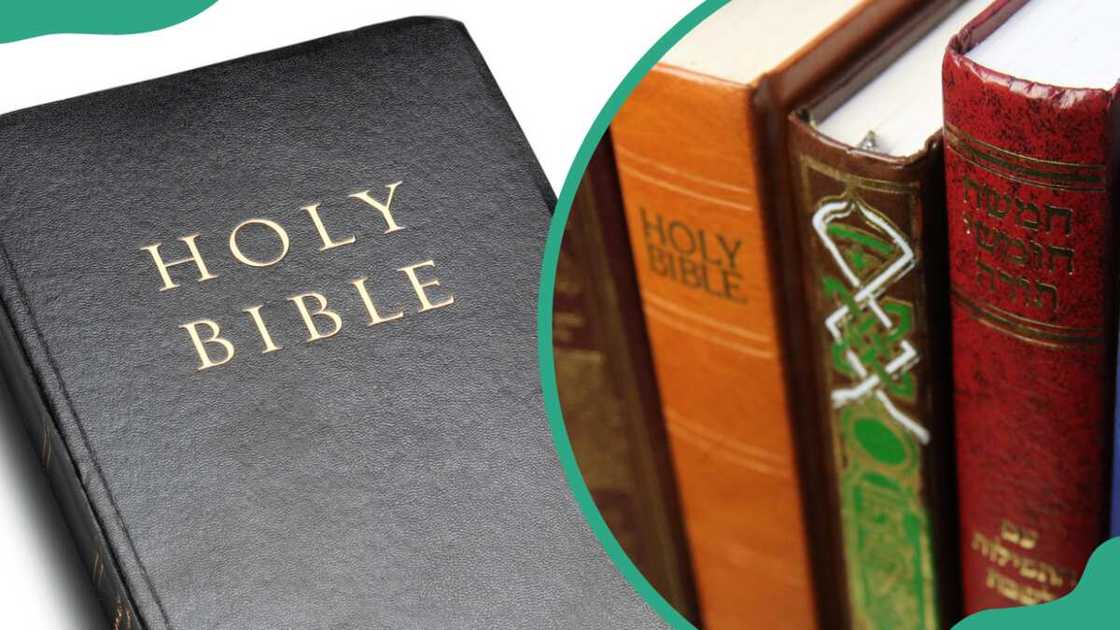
(544,315)
(1089,604)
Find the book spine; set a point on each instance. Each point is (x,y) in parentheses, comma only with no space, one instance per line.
(63,476)
(685,151)
(870,240)
(607,388)
(1032,250)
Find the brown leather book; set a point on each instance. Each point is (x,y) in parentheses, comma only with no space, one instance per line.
(607,388)
(701,153)
(869,192)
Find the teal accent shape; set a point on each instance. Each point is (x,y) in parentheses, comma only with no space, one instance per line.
(546,362)
(1091,605)
(21,19)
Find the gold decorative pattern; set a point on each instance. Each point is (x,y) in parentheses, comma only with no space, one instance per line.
(683,190)
(1025,169)
(864,263)
(1027,329)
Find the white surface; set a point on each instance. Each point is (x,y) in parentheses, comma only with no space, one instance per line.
(557,64)
(1070,43)
(748,37)
(902,105)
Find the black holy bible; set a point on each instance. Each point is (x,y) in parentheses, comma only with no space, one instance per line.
(271,324)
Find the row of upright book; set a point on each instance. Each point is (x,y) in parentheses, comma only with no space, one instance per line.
(835,320)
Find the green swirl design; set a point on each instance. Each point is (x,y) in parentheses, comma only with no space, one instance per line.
(21,19)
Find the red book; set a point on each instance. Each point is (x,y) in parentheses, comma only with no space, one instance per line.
(1031,247)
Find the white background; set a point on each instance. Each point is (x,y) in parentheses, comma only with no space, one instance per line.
(557,64)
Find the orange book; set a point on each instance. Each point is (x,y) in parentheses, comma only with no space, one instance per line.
(700,152)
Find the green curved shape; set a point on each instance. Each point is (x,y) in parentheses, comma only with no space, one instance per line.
(879,441)
(1091,605)
(21,19)
(544,315)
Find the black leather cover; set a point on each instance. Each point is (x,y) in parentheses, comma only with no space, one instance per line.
(400,475)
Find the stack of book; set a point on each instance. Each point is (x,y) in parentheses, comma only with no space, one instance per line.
(836,319)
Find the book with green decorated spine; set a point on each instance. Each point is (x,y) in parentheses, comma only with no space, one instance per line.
(869,193)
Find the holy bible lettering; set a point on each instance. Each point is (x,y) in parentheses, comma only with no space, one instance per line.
(701,260)
(313,309)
